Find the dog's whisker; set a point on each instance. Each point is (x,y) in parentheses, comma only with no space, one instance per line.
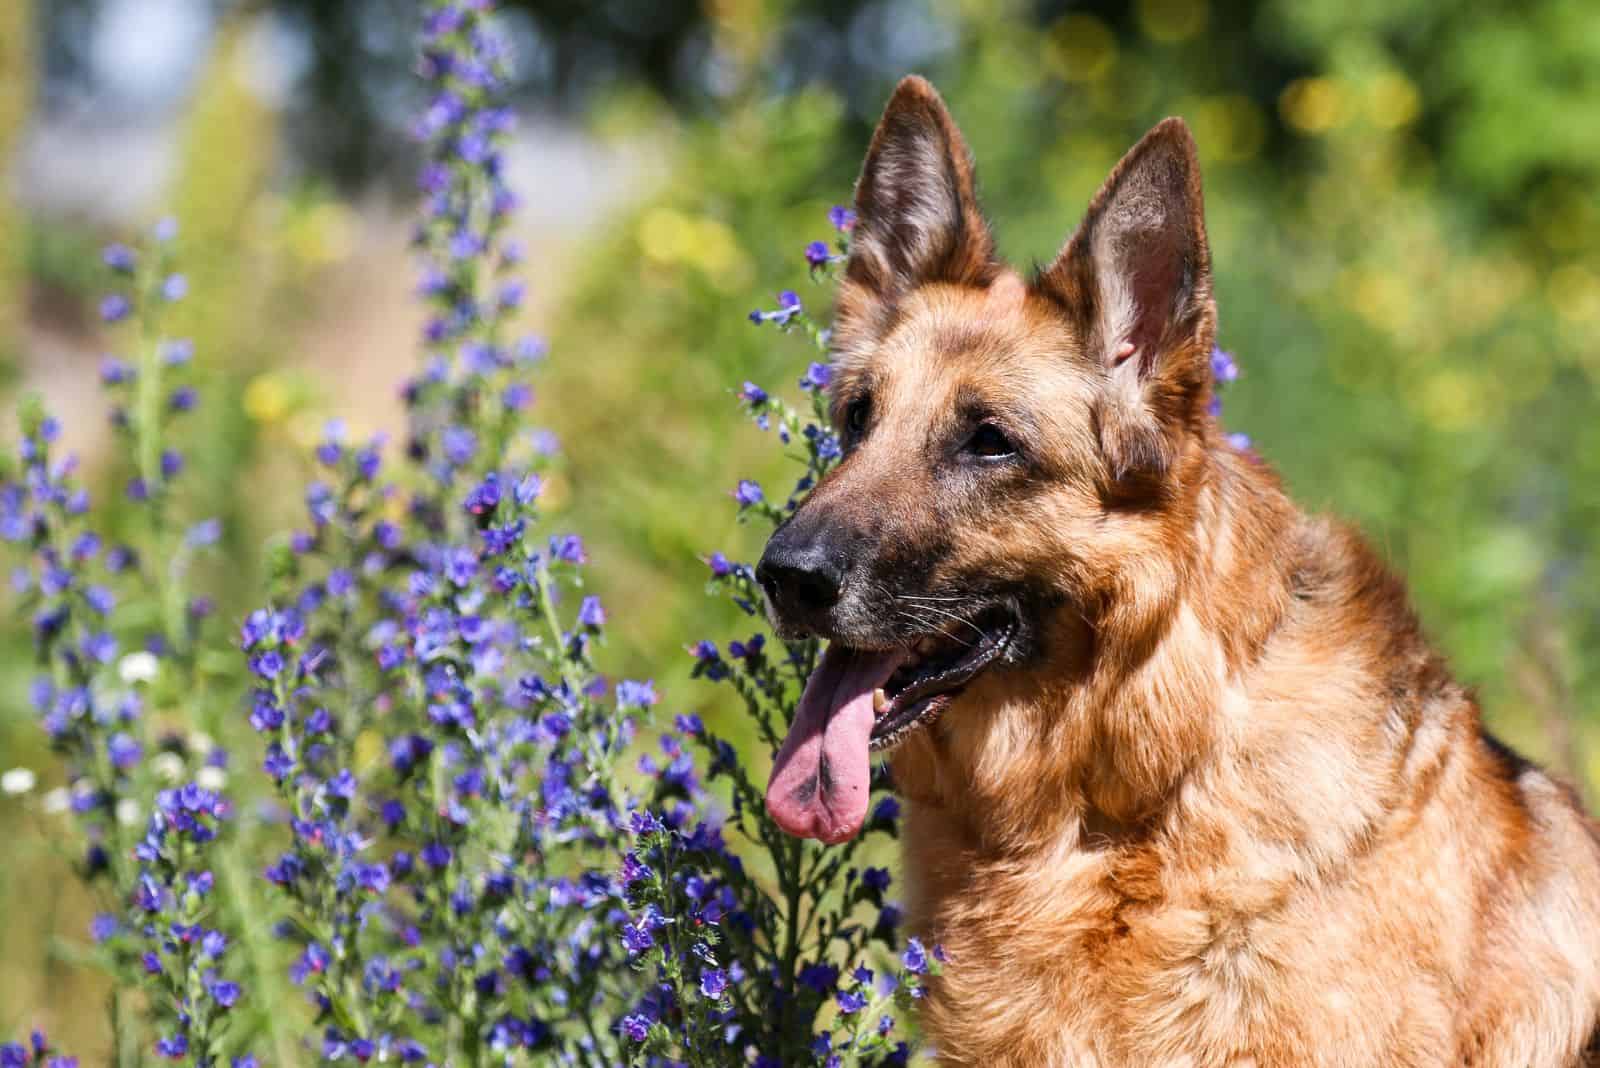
(920,625)
(959,619)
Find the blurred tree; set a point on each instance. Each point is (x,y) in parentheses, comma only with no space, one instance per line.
(344,120)
(1470,59)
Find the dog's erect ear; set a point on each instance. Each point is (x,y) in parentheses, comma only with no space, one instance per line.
(917,217)
(1136,280)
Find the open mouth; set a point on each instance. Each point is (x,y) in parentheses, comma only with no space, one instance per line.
(936,669)
(858,700)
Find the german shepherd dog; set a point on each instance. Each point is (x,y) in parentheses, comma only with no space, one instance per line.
(1185,783)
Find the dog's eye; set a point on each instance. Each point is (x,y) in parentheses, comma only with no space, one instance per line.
(856,417)
(990,442)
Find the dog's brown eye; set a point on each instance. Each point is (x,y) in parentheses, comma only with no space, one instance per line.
(990,442)
(856,417)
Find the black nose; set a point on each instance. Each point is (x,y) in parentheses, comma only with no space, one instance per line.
(803,579)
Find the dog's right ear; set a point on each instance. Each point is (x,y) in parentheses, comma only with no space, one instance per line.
(917,217)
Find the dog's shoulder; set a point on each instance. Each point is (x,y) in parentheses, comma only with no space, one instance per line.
(1532,986)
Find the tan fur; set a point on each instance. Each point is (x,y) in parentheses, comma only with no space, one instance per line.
(1234,811)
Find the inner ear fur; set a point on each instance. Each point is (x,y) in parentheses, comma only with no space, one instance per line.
(917,214)
(1135,280)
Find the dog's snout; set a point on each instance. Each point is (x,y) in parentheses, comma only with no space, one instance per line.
(803,581)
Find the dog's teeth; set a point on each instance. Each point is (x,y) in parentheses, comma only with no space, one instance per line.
(880,700)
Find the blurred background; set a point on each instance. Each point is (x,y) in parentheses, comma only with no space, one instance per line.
(1404,206)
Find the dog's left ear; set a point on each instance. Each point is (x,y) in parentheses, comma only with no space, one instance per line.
(1136,281)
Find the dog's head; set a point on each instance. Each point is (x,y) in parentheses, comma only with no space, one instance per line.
(1011,447)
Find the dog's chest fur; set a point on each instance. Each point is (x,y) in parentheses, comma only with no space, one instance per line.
(1093,959)
(1109,954)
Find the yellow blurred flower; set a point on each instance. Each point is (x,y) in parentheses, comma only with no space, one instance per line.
(664,235)
(1392,101)
(266,398)
(1313,105)
(669,237)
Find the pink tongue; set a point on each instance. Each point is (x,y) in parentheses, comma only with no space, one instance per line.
(820,777)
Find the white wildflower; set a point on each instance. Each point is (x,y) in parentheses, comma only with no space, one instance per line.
(17,781)
(168,766)
(138,667)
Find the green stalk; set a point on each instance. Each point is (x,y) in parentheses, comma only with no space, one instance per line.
(258,953)
(147,431)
